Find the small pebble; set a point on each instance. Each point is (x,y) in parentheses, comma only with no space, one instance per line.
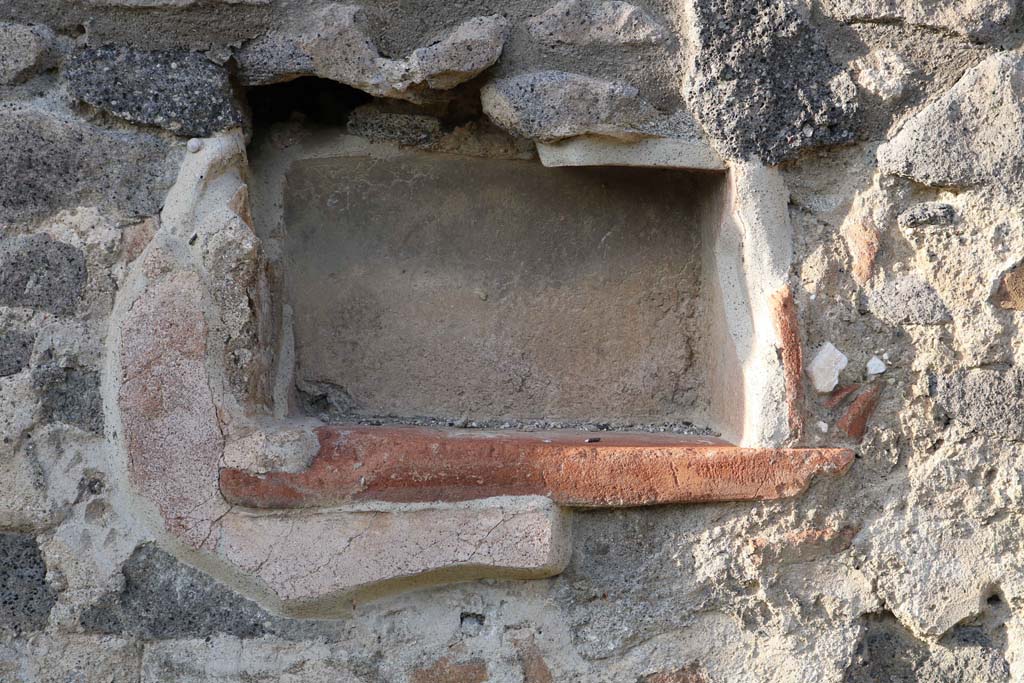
(823,426)
(194,145)
(876,366)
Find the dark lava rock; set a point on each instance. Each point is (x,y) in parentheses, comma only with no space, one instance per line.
(58,162)
(25,597)
(39,272)
(163,598)
(927,213)
(15,351)
(178,90)
(886,652)
(70,395)
(764,86)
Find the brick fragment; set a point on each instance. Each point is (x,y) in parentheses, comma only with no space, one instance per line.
(787,327)
(445,670)
(691,673)
(855,420)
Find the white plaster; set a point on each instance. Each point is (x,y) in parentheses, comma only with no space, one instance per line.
(648,152)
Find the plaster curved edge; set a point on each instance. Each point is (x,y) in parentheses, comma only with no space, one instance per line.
(171,412)
(760,211)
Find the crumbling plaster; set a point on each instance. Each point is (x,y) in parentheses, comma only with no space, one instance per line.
(872,149)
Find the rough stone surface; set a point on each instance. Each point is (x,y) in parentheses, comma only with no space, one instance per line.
(25,596)
(884,74)
(23,52)
(341,49)
(989,401)
(61,162)
(908,299)
(15,350)
(764,86)
(39,272)
(163,598)
(552,105)
(1011,290)
(927,214)
(980,19)
(179,91)
(70,395)
(903,243)
(583,22)
(969,136)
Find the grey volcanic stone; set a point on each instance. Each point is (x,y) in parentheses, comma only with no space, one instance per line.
(927,213)
(552,105)
(25,597)
(889,652)
(39,272)
(163,598)
(374,122)
(970,135)
(763,84)
(979,19)
(585,22)
(908,299)
(886,652)
(70,395)
(15,351)
(342,50)
(23,51)
(59,162)
(178,90)
(272,59)
(990,401)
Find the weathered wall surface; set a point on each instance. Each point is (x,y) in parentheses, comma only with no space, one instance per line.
(898,130)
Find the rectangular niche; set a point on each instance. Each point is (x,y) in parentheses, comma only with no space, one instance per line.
(439,286)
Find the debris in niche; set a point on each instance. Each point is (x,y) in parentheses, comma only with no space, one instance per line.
(332,404)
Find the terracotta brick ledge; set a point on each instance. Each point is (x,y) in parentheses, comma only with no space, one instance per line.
(576,469)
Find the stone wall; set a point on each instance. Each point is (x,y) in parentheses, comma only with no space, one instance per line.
(867,155)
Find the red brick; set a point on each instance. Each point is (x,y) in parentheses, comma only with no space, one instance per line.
(446,671)
(840,394)
(1010,294)
(802,545)
(863,241)
(854,422)
(787,328)
(416,464)
(535,669)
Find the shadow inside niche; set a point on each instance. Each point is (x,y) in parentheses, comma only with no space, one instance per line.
(311,99)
